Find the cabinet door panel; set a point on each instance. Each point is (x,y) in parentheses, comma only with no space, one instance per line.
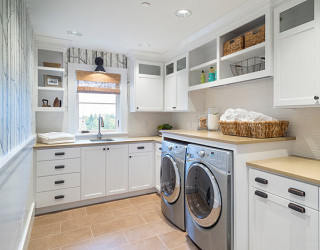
(157,166)
(170,93)
(149,94)
(117,169)
(93,183)
(182,90)
(140,171)
(273,225)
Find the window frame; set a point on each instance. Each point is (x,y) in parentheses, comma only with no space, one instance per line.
(73,100)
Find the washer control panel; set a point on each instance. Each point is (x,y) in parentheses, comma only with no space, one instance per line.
(177,149)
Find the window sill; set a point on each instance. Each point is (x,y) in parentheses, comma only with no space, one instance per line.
(104,134)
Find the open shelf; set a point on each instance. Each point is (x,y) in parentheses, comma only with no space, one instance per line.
(50,89)
(51,69)
(50,109)
(257,50)
(204,66)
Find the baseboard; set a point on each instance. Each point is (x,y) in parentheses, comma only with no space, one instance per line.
(24,243)
(76,204)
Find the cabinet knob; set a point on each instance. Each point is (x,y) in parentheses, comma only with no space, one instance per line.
(130,156)
(104,148)
(108,148)
(316,97)
(137,107)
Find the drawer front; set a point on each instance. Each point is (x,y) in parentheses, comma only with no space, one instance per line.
(158,148)
(66,166)
(296,191)
(57,154)
(56,182)
(57,197)
(140,147)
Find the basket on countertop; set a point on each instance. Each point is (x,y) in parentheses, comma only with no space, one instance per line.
(255,36)
(233,45)
(52,65)
(261,129)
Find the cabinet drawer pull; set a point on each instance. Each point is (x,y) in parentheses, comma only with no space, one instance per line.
(142,147)
(59,182)
(297,192)
(261,194)
(297,208)
(59,167)
(59,153)
(261,180)
(57,197)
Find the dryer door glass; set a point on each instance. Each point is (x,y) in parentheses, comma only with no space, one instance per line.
(203,195)
(170,179)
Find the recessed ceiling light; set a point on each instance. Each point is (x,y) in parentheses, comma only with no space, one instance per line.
(145,4)
(183,13)
(144,45)
(73,33)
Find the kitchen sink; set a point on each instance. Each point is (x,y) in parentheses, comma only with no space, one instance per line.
(102,140)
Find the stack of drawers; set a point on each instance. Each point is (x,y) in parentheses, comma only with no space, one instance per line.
(58,176)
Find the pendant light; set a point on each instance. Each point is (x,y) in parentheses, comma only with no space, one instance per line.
(99,62)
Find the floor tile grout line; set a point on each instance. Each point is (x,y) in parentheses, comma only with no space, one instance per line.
(162,241)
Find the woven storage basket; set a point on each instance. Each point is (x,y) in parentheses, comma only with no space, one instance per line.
(52,65)
(233,45)
(255,36)
(260,130)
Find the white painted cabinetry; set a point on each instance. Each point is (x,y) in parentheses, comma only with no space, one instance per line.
(297,54)
(141,163)
(93,172)
(146,86)
(116,169)
(283,213)
(176,84)
(157,167)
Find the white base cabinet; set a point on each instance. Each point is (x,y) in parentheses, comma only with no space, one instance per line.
(157,167)
(117,169)
(93,172)
(273,225)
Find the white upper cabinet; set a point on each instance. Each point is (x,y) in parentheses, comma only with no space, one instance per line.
(176,84)
(297,54)
(93,172)
(116,169)
(146,86)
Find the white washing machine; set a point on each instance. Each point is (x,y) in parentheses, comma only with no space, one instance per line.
(208,197)
(172,179)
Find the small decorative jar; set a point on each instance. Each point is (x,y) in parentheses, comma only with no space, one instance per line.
(213,119)
(202,121)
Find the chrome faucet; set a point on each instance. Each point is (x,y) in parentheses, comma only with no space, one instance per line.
(101,124)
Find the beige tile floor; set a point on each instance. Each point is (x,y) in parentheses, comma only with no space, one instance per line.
(130,224)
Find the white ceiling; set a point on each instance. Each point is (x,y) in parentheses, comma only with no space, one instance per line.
(120,25)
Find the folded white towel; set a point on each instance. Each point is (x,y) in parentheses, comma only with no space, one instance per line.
(244,115)
(56,137)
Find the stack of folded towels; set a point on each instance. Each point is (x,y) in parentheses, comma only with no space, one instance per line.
(56,137)
(244,115)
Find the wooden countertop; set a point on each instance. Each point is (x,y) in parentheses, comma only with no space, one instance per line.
(89,143)
(304,169)
(219,137)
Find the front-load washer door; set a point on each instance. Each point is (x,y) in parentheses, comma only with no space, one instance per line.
(203,196)
(170,179)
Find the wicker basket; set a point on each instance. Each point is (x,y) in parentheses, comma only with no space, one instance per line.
(52,65)
(260,130)
(233,45)
(255,36)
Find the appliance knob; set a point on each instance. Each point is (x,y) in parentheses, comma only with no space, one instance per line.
(202,153)
(170,148)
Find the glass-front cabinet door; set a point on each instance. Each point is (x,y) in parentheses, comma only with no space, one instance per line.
(149,70)
(297,53)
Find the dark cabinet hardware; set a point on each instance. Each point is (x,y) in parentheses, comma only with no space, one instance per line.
(261,180)
(57,197)
(261,194)
(130,156)
(59,182)
(137,107)
(297,208)
(140,147)
(160,148)
(174,107)
(108,148)
(104,148)
(59,153)
(297,192)
(316,97)
(59,167)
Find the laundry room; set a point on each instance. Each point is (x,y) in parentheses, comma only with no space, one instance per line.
(160,125)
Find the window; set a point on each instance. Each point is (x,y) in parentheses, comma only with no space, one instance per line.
(92,105)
